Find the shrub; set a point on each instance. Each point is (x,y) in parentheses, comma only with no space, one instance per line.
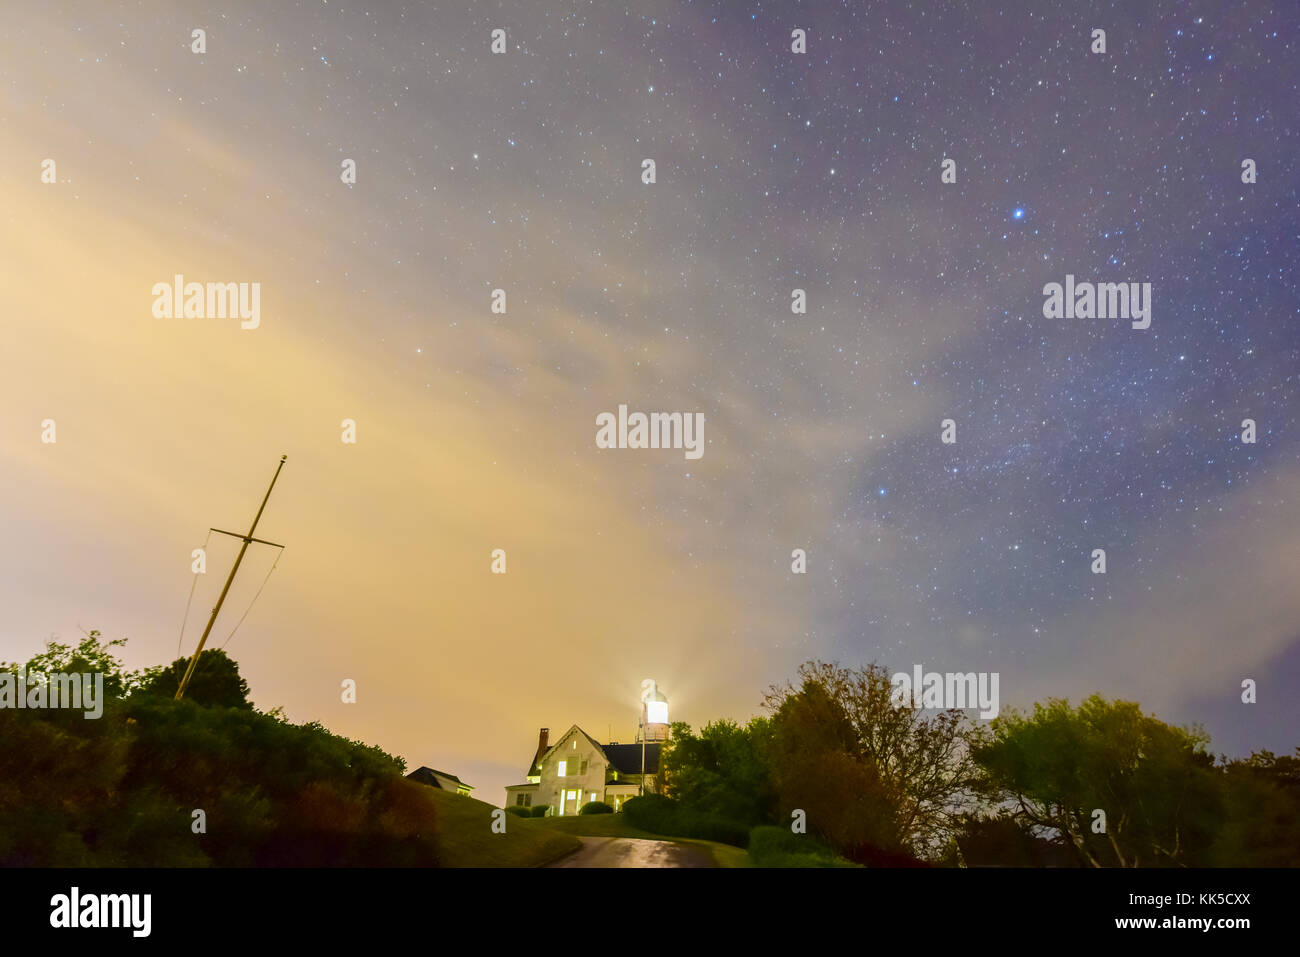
(595,807)
(519,811)
(285,795)
(660,815)
(541,810)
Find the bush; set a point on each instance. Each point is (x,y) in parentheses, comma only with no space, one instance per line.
(519,811)
(274,794)
(285,795)
(595,807)
(541,810)
(660,815)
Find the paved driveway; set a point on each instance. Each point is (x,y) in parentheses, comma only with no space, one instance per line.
(634,852)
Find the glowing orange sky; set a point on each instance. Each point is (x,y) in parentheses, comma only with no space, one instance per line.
(168,426)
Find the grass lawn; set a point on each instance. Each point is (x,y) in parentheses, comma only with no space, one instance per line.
(466,838)
(615,825)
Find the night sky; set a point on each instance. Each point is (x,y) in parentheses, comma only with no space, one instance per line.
(774,171)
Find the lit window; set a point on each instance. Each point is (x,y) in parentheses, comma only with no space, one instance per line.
(560,772)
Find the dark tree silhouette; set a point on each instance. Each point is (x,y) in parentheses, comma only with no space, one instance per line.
(216,681)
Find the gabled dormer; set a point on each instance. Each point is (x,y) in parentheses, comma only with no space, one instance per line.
(574,754)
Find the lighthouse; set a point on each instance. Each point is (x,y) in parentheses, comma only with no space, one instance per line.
(653,725)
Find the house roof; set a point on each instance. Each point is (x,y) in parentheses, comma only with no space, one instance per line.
(626,758)
(430,776)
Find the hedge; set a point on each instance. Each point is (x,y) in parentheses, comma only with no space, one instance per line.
(660,815)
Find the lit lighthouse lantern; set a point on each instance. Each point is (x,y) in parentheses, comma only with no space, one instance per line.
(654,712)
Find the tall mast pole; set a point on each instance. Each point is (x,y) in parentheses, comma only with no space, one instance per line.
(189,672)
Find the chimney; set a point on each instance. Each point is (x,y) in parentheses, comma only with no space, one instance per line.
(543,736)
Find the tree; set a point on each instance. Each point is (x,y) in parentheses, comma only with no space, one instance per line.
(216,681)
(920,764)
(722,770)
(816,767)
(1154,783)
(1262,803)
(91,655)
(1008,841)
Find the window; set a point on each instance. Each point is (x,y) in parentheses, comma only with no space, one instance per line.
(571,768)
(523,800)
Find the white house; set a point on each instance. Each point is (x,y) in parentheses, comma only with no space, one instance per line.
(577,769)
